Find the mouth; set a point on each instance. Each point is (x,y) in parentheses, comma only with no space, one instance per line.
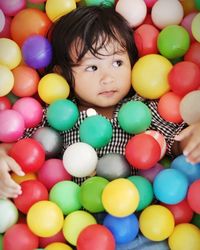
(108,93)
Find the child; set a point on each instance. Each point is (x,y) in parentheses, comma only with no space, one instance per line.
(94,50)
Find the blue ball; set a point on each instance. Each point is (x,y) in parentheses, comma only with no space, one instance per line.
(124,229)
(170,186)
(191,171)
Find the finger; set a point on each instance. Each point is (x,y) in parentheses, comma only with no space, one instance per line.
(9,194)
(14,166)
(8,181)
(192,146)
(184,133)
(194,156)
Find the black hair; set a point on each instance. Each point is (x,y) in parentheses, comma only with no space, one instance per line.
(91,28)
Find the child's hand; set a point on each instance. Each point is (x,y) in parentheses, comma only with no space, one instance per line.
(9,188)
(190,140)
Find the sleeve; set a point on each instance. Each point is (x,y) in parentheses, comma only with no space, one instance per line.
(168,129)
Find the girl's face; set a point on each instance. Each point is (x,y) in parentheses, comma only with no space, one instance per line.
(104,80)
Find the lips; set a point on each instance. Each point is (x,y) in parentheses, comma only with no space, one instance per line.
(107,93)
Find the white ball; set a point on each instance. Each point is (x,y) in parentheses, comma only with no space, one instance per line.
(133,11)
(167,12)
(80,159)
(8,214)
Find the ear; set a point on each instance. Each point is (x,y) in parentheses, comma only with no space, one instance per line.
(57,69)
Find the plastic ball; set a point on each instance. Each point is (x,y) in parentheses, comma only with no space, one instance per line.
(90,194)
(156,222)
(63,189)
(133,11)
(96,130)
(181,211)
(62,114)
(11,8)
(4,103)
(19,237)
(1,241)
(5,26)
(151,173)
(197,4)
(76,222)
(19,179)
(11,125)
(32,192)
(120,197)
(193,196)
(57,8)
(45,218)
(72,156)
(184,78)
(33,21)
(58,246)
(37,51)
(134,117)
(160,139)
(195,27)
(193,53)
(6,80)
(30,109)
(173,41)
(59,237)
(8,214)
(189,107)
(107,3)
(123,229)
(187,24)
(95,237)
(166,13)
(10,53)
(142,151)
(53,87)
(149,76)
(196,220)
(29,154)
(37,1)
(168,107)
(145,37)
(170,186)
(185,236)
(145,190)
(112,166)
(39,6)
(191,171)
(52,172)
(2,20)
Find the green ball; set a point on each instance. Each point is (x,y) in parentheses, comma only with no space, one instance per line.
(39,6)
(1,242)
(91,192)
(196,220)
(107,3)
(166,162)
(197,4)
(145,190)
(62,114)
(66,195)
(96,131)
(173,41)
(134,117)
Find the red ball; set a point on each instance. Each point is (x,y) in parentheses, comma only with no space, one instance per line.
(146,39)
(4,103)
(142,151)
(19,237)
(193,196)
(168,107)
(184,77)
(32,191)
(53,171)
(44,241)
(96,237)
(193,53)
(29,154)
(181,211)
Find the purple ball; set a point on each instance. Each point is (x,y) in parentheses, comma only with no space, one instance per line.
(37,51)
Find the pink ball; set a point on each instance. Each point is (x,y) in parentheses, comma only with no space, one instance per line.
(5,31)
(12,125)
(52,172)
(187,23)
(30,109)
(11,7)
(150,3)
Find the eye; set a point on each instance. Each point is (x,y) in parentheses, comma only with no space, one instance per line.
(91,68)
(117,63)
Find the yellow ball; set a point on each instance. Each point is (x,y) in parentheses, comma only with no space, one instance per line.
(10,53)
(57,246)
(185,237)
(156,222)
(53,87)
(150,76)
(19,179)
(120,197)
(196,27)
(74,223)
(6,80)
(57,8)
(45,218)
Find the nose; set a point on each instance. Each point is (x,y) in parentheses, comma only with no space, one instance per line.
(107,76)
